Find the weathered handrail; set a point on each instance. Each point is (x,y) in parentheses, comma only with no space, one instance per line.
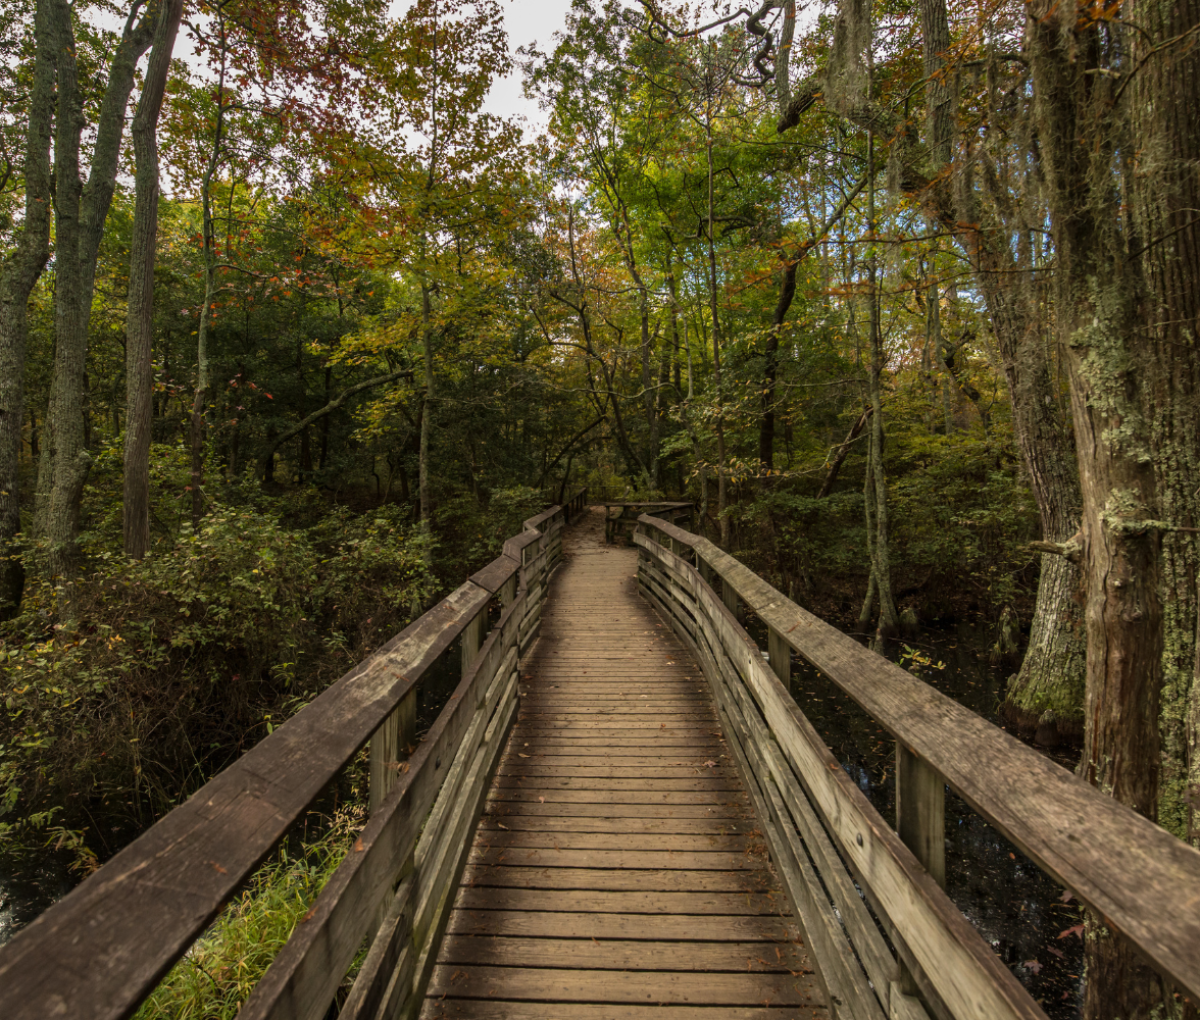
(626,517)
(1143,880)
(101,950)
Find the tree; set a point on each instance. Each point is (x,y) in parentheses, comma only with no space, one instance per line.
(140,316)
(80,212)
(18,276)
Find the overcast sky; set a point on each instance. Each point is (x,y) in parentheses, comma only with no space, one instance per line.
(527,21)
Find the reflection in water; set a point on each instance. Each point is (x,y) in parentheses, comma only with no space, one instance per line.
(1025,916)
(28,885)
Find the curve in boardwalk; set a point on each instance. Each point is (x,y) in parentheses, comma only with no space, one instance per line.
(617,867)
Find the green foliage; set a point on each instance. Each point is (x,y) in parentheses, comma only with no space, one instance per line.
(471,535)
(144,679)
(217,975)
(961,519)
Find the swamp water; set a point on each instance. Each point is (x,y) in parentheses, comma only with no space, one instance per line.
(1028,919)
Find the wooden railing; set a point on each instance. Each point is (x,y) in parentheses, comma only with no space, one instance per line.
(102,949)
(624,520)
(820,825)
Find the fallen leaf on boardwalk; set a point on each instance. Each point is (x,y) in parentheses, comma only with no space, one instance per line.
(358,845)
(502,826)
(1077,930)
(711,764)
(541,800)
(520,755)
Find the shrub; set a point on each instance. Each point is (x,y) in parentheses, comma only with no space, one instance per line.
(130,689)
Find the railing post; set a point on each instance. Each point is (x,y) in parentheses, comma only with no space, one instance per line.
(730,597)
(394,739)
(472,638)
(780,653)
(921,824)
(508,590)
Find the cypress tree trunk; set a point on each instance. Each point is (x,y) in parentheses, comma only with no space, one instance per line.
(1131,398)
(1165,94)
(18,276)
(139,378)
(423,493)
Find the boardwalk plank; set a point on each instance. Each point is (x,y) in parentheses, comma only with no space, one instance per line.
(475,1009)
(618,836)
(616,880)
(587,954)
(657,988)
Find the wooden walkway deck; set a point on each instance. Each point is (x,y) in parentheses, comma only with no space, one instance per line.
(617,868)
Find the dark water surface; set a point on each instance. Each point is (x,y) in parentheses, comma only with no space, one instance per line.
(1024,915)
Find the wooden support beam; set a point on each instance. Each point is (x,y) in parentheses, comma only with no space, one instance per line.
(780,653)
(472,637)
(921,823)
(729,596)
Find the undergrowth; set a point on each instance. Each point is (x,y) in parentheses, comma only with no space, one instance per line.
(126,691)
(221,969)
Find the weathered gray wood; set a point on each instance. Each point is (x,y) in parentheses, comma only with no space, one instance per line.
(496,574)
(501,876)
(447,809)
(370,984)
(578,859)
(661,987)
(966,973)
(658,927)
(622,955)
(921,812)
(849,991)
(1114,860)
(780,653)
(301,981)
(769,694)
(450,1008)
(98,951)
(445,874)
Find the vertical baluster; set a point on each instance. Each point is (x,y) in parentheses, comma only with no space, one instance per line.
(780,654)
(391,743)
(921,824)
(730,597)
(472,639)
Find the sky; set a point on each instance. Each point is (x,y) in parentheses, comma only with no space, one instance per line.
(527,21)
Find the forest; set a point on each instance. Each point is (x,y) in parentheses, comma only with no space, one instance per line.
(295,331)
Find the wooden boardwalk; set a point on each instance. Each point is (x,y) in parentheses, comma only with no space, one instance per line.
(617,868)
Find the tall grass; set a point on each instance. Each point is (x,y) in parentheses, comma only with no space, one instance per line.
(221,969)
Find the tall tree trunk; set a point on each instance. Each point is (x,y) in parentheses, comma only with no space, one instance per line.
(423,491)
(80,213)
(139,324)
(19,274)
(766,428)
(722,493)
(889,622)
(1165,97)
(1117,379)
